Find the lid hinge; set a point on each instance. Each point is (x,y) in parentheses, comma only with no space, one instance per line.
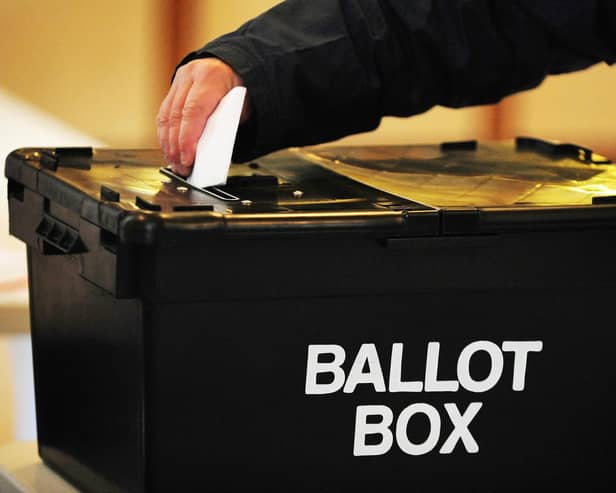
(460,221)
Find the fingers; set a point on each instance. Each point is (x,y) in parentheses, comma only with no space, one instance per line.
(182,170)
(175,119)
(194,94)
(198,107)
(162,121)
(170,116)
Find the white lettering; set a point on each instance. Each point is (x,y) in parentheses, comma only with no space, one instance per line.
(314,368)
(395,373)
(366,354)
(430,442)
(496,366)
(461,431)
(521,350)
(363,428)
(432,383)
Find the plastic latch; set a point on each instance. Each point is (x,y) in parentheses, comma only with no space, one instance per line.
(61,237)
(560,150)
(109,194)
(604,199)
(146,205)
(460,221)
(49,160)
(66,157)
(74,152)
(463,145)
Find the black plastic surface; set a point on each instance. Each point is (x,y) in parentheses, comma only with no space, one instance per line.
(170,346)
(224,335)
(128,193)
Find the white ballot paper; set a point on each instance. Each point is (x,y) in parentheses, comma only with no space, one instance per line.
(215,146)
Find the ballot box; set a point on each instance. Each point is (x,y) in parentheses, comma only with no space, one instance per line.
(405,318)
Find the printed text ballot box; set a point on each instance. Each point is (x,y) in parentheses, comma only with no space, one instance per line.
(430,318)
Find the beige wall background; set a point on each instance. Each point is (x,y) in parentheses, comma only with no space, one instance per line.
(6,391)
(578,107)
(96,65)
(104,67)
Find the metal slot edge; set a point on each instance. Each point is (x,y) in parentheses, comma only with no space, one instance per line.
(213,191)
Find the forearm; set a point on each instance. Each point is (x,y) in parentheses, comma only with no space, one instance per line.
(318,70)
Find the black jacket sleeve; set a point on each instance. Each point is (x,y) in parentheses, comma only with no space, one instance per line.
(321,69)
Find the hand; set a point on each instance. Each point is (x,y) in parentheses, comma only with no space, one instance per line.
(195,92)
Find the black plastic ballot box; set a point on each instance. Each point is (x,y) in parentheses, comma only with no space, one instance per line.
(403,318)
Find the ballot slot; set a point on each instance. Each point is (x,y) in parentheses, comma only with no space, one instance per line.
(212,191)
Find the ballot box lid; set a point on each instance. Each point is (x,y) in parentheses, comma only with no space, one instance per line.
(388,191)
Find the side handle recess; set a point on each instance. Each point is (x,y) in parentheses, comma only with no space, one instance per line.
(58,238)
